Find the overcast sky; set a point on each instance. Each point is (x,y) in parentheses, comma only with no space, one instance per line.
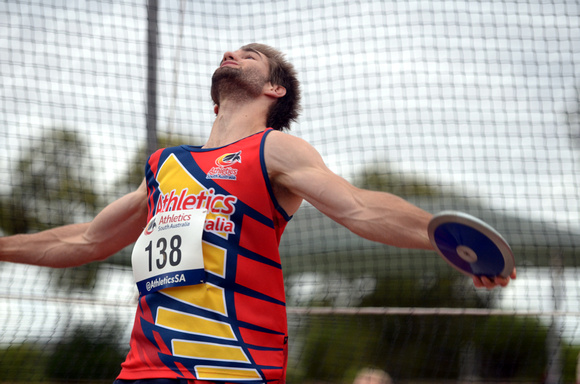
(471,95)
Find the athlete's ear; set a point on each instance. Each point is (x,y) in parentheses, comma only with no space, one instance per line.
(216,109)
(275,91)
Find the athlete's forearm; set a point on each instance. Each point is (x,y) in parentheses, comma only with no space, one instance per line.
(58,247)
(389,219)
(376,216)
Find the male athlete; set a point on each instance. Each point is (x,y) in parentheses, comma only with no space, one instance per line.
(206,223)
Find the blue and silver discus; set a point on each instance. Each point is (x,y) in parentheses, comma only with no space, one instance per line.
(470,245)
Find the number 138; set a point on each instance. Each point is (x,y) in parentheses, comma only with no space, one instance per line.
(174,256)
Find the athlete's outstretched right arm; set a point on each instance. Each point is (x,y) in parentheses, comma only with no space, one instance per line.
(115,227)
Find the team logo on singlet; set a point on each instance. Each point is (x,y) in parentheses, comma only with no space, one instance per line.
(150,227)
(224,167)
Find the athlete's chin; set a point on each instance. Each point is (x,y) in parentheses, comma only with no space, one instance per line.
(224,79)
(236,84)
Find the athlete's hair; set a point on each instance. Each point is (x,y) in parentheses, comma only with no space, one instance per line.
(287,108)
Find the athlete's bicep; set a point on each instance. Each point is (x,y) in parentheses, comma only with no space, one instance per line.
(296,167)
(120,223)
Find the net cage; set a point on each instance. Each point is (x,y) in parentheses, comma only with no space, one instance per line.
(464,105)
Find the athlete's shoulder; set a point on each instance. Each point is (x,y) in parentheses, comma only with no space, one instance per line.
(283,142)
(290,149)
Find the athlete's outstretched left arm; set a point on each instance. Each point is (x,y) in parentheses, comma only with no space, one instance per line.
(298,172)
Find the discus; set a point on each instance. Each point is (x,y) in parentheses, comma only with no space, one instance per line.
(470,245)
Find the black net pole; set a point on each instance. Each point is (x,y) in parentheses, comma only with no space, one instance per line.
(152,6)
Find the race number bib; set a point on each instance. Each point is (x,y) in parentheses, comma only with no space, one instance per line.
(169,251)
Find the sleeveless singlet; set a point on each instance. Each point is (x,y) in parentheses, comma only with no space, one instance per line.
(232,326)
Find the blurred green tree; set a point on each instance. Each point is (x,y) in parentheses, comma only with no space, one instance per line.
(53,186)
(90,353)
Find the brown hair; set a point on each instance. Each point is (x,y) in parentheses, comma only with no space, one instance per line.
(287,109)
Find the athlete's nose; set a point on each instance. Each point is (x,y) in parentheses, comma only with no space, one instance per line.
(229,56)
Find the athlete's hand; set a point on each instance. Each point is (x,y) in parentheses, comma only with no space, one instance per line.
(486,282)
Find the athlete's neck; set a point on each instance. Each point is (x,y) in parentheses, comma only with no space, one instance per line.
(235,121)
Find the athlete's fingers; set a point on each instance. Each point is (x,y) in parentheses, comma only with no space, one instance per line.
(486,282)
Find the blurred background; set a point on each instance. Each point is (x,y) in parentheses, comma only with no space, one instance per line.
(463,105)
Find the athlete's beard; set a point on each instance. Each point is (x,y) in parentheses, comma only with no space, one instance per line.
(236,84)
